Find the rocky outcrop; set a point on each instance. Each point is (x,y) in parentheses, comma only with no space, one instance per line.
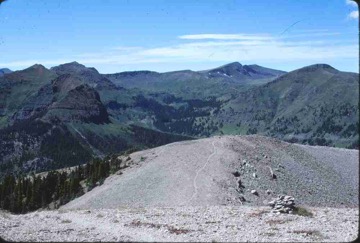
(80,104)
(66,82)
(282,204)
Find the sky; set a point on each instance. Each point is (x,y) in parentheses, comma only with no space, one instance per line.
(167,35)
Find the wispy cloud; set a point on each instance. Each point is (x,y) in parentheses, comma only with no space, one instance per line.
(205,48)
(257,37)
(127,48)
(270,50)
(226,37)
(354,15)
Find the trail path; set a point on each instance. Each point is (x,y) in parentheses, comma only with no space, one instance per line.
(202,168)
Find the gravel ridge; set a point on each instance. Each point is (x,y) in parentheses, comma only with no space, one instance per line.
(201,173)
(182,224)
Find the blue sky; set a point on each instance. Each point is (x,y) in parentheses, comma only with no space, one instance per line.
(159,35)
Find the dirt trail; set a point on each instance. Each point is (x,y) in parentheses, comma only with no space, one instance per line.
(198,171)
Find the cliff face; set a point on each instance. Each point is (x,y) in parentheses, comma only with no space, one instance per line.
(80,104)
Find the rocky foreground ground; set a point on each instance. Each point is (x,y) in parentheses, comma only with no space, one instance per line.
(176,224)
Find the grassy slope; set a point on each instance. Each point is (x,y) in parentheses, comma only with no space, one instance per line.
(311,95)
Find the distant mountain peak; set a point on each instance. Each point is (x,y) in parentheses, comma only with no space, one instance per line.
(70,65)
(4,71)
(74,63)
(233,65)
(236,70)
(321,65)
(37,66)
(228,70)
(318,66)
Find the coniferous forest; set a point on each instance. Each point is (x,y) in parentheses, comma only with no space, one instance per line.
(23,194)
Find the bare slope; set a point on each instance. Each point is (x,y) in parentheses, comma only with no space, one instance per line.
(200,173)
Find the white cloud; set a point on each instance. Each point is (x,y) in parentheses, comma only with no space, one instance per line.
(226,37)
(279,50)
(219,48)
(352,3)
(127,48)
(354,15)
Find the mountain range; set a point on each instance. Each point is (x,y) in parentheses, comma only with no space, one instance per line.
(190,84)
(68,114)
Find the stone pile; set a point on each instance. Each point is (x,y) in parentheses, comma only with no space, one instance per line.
(282,204)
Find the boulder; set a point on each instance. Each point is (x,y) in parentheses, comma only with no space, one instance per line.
(254,192)
(236,173)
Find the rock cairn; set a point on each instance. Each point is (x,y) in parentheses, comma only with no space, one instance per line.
(282,204)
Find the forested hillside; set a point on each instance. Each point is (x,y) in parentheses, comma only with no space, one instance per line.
(23,194)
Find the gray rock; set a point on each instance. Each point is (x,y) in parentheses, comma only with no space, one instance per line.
(236,173)
(242,198)
(282,204)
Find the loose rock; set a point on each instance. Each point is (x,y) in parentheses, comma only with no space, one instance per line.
(282,204)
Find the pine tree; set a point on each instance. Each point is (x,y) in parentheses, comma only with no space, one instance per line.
(28,196)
